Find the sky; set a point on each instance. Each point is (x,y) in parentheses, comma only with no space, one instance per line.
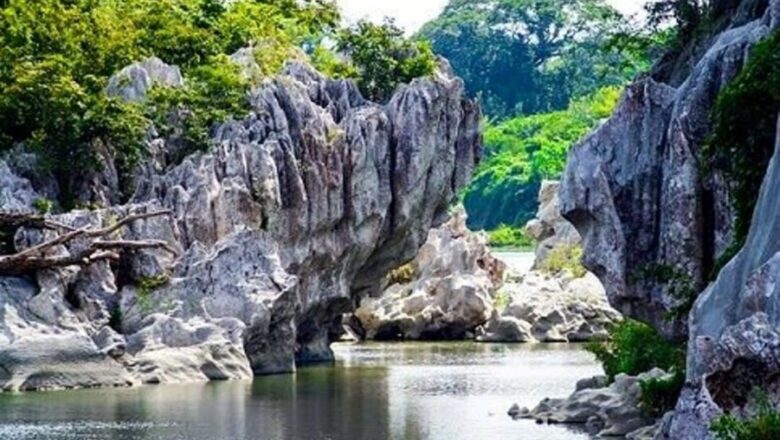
(412,14)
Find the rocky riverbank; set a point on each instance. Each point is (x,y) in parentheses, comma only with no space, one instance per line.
(261,243)
(457,288)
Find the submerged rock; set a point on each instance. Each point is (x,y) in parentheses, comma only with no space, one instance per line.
(295,212)
(446,293)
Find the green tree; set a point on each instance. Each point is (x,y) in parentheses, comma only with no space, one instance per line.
(531,56)
(521,152)
(384,58)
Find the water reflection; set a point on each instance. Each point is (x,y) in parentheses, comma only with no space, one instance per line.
(378,391)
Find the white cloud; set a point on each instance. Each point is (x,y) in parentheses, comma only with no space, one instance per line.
(412,14)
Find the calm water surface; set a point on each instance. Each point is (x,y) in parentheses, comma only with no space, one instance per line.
(518,261)
(374,392)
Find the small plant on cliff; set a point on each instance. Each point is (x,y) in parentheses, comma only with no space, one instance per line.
(678,283)
(502,300)
(384,58)
(660,395)
(764,425)
(634,348)
(565,259)
(146,286)
(402,275)
(744,130)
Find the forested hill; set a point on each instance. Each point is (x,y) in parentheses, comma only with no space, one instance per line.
(546,72)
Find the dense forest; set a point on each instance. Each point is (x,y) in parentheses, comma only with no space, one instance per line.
(567,61)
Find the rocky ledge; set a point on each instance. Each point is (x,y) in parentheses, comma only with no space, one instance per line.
(268,237)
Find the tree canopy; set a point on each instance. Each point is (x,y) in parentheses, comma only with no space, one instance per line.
(532,56)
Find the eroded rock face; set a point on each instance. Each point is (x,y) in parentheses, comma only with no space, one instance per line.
(447,293)
(633,187)
(297,210)
(735,326)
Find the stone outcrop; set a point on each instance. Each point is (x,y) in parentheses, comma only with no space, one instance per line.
(549,229)
(735,326)
(551,308)
(605,410)
(444,293)
(539,306)
(296,211)
(634,189)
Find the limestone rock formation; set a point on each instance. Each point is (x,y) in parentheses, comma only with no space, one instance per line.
(608,411)
(634,190)
(735,326)
(549,229)
(295,212)
(446,293)
(551,308)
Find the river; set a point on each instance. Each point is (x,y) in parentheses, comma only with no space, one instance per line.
(411,391)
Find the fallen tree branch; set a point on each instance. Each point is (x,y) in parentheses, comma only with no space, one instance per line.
(34,258)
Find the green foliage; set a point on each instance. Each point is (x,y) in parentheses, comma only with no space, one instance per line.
(679,285)
(564,259)
(634,348)
(763,426)
(384,58)
(553,51)
(43,206)
(146,286)
(687,15)
(521,152)
(56,57)
(508,237)
(660,395)
(502,300)
(402,275)
(744,128)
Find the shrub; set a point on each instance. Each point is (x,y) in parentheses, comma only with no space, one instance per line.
(509,237)
(502,300)
(402,275)
(763,426)
(744,129)
(660,395)
(564,259)
(384,58)
(634,348)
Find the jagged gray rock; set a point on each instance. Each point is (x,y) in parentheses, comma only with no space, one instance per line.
(446,292)
(296,211)
(550,307)
(549,229)
(735,326)
(634,190)
(134,82)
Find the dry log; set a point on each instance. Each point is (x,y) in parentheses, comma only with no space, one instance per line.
(35,258)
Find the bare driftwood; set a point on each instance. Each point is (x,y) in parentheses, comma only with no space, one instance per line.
(35,258)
